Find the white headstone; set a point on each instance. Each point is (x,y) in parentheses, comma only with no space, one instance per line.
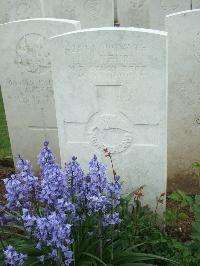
(184,93)
(133,13)
(110,90)
(12,10)
(195,4)
(26,83)
(160,8)
(91,13)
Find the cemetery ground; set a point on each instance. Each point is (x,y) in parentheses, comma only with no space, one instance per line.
(175,239)
(172,241)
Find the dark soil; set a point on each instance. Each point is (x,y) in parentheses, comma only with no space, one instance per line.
(6,170)
(183,229)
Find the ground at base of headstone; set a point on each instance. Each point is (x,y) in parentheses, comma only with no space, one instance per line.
(6,170)
(181,231)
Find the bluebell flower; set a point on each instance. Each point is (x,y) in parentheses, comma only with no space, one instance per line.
(61,199)
(21,188)
(12,257)
(111,219)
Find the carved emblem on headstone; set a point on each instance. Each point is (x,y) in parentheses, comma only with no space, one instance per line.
(32,54)
(196,44)
(110,130)
(135,4)
(93,7)
(68,8)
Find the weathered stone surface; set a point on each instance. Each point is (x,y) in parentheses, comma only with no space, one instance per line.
(12,10)
(195,4)
(184,93)
(91,13)
(133,13)
(110,90)
(26,83)
(160,8)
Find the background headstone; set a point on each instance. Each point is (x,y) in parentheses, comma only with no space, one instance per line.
(115,11)
(26,83)
(133,13)
(91,13)
(160,8)
(184,93)
(12,10)
(110,90)
(195,4)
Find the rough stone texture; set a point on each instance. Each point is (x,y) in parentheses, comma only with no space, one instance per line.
(133,13)
(91,13)
(26,83)
(110,90)
(12,10)
(195,4)
(160,8)
(184,93)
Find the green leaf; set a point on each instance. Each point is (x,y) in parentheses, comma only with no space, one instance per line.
(183,216)
(93,257)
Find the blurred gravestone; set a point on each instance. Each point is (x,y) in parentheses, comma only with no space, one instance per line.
(12,10)
(91,13)
(195,4)
(26,82)
(133,13)
(160,8)
(184,94)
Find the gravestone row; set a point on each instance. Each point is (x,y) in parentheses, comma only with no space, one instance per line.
(110,88)
(97,13)
(116,71)
(149,13)
(91,13)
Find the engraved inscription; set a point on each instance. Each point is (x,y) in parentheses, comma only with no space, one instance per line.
(108,130)
(32,54)
(137,4)
(196,45)
(30,92)
(122,57)
(93,8)
(169,5)
(197,120)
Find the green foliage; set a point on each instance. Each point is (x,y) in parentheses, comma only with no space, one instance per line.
(174,216)
(134,242)
(5,149)
(196,223)
(181,198)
